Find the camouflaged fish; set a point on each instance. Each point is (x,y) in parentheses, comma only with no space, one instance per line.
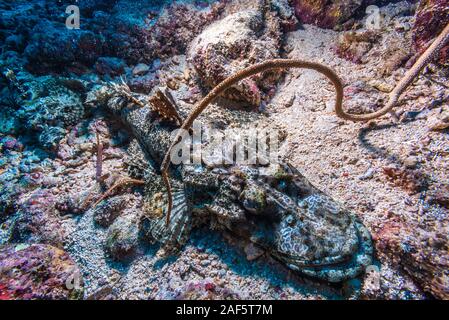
(274,207)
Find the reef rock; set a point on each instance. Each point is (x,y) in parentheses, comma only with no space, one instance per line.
(325,13)
(122,238)
(421,253)
(52,44)
(38,272)
(233,43)
(49,107)
(431,18)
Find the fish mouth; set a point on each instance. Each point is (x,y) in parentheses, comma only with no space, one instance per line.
(338,268)
(311,246)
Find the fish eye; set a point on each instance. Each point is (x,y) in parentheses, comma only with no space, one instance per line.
(290,220)
(282,184)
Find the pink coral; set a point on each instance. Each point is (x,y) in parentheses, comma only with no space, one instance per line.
(325,13)
(36,272)
(431,18)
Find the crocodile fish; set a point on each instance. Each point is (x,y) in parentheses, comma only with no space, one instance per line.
(274,206)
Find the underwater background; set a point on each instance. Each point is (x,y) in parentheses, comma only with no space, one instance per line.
(62,145)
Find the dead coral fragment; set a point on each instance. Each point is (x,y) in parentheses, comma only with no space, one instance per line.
(354,46)
(412,181)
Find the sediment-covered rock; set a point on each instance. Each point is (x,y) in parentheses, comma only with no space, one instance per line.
(420,251)
(233,43)
(122,238)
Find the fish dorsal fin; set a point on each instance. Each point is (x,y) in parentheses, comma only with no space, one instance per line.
(163,103)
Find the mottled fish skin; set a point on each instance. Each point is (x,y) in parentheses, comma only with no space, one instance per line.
(282,212)
(153,133)
(274,206)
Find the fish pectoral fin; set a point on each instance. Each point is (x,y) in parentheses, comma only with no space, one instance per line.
(176,233)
